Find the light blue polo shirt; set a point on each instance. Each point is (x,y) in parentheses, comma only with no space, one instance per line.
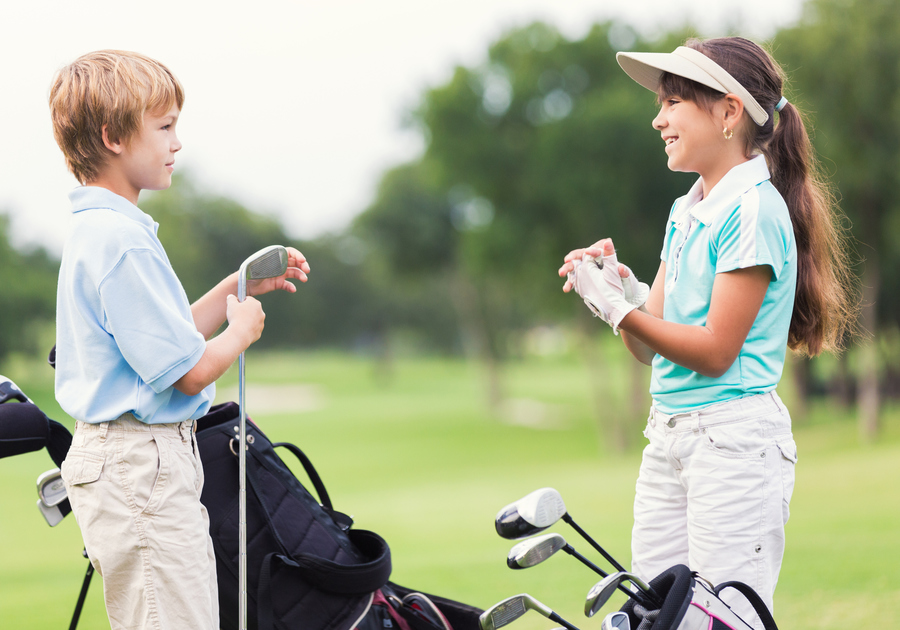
(124,330)
(743,223)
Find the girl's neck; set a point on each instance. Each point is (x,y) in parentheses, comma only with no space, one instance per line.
(720,167)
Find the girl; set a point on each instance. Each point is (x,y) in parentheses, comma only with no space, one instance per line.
(752,263)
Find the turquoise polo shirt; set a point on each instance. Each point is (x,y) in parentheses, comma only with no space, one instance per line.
(124,330)
(743,223)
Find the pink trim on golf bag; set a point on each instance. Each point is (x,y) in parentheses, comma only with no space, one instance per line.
(692,603)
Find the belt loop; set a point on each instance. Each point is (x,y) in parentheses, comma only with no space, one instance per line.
(695,421)
(651,420)
(104,429)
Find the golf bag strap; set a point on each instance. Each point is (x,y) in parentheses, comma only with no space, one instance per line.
(345,579)
(761,609)
(310,472)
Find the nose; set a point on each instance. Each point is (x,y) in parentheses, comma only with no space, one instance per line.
(176,144)
(659,121)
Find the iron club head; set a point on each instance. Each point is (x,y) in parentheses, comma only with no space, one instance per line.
(616,621)
(511,608)
(269,262)
(50,488)
(603,590)
(534,551)
(531,514)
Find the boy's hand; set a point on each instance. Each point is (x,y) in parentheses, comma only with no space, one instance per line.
(297,269)
(246,318)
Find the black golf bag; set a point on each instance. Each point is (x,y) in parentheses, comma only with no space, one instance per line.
(692,603)
(307,568)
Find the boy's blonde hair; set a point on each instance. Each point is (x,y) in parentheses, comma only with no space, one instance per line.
(107,87)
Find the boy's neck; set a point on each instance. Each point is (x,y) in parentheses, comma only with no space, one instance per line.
(118,185)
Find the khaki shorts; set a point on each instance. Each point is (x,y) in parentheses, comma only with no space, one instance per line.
(135,492)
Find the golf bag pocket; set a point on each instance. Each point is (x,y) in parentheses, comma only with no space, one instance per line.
(691,603)
(398,608)
(306,567)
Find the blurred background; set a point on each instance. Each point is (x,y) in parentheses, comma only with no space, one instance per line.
(475,183)
(435,162)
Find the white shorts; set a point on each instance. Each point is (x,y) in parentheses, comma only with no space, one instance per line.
(713,493)
(135,492)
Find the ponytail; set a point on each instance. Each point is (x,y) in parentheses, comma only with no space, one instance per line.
(825,303)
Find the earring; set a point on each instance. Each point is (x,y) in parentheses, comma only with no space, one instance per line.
(728,133)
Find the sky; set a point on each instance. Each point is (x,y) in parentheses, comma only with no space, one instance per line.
(294,108)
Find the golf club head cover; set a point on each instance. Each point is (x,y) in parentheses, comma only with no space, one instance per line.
(599,284)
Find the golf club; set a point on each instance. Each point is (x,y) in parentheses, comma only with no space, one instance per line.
(536,512)
(10,391)
(603,590)
(616,621)
(511,608)
(51,492)
(269,262)
(533,551)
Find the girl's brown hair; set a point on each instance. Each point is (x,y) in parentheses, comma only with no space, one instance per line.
(825,305)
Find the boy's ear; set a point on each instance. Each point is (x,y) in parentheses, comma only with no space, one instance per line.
(115,147)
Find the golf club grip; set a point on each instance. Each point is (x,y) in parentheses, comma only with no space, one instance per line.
(565,624)
(592,542)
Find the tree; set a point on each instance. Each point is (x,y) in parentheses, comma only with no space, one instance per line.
(844,59)
(28,299)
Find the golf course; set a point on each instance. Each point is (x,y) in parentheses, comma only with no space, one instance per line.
(413,451)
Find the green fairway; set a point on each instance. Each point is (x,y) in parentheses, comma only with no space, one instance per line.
(413,453)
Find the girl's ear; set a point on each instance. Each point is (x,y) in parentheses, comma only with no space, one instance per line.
(115,147)
(733,110)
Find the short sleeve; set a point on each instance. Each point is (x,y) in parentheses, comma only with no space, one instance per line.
(148,314)
(751,235)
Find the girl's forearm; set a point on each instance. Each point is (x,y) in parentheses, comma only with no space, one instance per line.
(697,348)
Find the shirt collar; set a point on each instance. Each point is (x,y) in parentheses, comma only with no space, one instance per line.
(88,197)
(736,182)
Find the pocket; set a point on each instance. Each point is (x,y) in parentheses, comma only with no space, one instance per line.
(739,440)
(788,449)
(145,465)
(82,466)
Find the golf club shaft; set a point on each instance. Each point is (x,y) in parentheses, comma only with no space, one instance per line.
(565,624)
(636,595)
(242,500)
(593,543)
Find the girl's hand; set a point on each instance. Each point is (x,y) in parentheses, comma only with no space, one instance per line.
(573,259)
(297,269)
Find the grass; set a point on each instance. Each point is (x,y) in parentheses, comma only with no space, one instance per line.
(414,453)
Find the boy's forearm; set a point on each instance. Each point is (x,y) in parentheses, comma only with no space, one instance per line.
(219,355)
(209,311)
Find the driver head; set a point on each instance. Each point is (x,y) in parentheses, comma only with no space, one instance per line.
(531,514)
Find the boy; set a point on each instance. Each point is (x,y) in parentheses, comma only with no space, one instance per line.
(134,366)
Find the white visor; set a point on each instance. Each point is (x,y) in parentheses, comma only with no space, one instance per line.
(647,68)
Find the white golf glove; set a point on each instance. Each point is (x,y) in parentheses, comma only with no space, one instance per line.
(601,287)
(635,292)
